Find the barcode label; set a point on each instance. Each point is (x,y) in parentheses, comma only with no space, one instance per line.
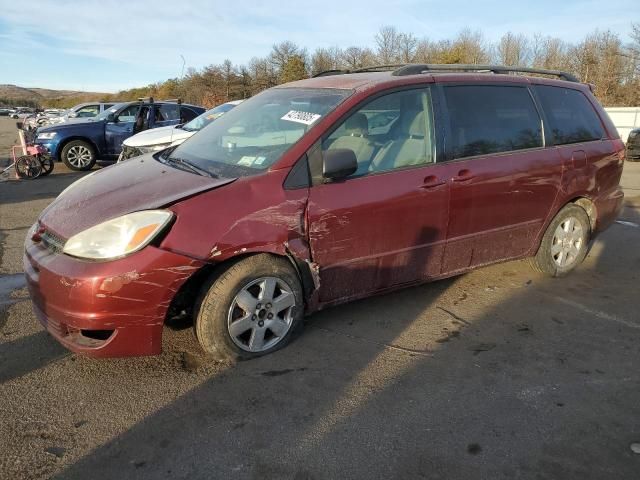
(301,117)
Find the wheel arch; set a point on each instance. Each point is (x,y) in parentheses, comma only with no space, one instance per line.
(66,141)
(186,296)
(589,206)
(582,201)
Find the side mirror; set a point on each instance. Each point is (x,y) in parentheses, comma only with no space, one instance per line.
(72,115)
(338,163)
(112,118)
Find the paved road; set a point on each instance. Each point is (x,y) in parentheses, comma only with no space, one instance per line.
(496,374)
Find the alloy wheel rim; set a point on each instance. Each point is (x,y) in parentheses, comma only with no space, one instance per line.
(261,314)
(79,156)
(567,242)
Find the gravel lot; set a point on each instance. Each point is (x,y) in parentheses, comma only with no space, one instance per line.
(499,373)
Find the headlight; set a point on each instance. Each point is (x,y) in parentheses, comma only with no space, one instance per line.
(118,237)
(153,148)
(46,135)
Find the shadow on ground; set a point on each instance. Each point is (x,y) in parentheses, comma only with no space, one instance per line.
(438,381)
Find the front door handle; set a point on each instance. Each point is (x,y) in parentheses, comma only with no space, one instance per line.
(432,181)
(463,176)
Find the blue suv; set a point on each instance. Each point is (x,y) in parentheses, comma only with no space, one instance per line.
(81,143)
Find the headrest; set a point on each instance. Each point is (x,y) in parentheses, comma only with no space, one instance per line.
(417,125)
(357,124)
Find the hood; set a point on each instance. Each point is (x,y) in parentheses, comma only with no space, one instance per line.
(76,123)
(157,136)
(120,189)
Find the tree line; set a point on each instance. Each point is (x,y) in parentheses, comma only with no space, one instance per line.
(600,58)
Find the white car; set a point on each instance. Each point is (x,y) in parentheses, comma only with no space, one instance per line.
(158,139)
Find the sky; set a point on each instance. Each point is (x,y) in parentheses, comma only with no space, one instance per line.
(109,45)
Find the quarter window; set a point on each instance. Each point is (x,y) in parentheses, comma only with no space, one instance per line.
(571,117)
(186,115)
(393,131)
(488,119)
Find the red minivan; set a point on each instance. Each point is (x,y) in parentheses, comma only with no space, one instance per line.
(322,191)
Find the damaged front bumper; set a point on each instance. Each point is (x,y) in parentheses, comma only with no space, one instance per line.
(105,309)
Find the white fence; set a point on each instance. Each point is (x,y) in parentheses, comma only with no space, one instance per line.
(625,119)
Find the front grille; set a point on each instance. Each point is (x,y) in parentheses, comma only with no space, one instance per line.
(130,152)
(52,241)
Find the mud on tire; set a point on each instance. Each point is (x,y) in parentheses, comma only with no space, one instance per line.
(252,308)
(565,242)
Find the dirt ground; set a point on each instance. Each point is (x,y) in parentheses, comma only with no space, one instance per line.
(497,374)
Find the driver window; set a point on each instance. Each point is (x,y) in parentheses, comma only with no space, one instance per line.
(128,114)
(392,131)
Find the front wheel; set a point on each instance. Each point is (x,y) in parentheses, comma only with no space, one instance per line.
(78,155)
(565,242)
(47,164)
(252,309)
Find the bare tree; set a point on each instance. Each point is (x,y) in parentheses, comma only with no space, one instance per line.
(282,52)
(549,53)
(407,45)
(388,45)
(324,59)
(471,47)
(513,50)
(356,57)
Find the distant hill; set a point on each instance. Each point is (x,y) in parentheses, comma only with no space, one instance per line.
(46,97)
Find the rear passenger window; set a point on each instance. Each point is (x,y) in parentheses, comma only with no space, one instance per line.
(491,119)
(571,117)
(167,111)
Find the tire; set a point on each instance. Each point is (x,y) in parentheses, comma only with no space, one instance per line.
(78,155)
(28,167)
(559,253)
(232,314)
(47,165)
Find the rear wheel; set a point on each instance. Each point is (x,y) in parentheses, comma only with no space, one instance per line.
(565,242)
(78,155)
(28,167)
(252,309)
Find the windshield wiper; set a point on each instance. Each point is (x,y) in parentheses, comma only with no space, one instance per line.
(190,166)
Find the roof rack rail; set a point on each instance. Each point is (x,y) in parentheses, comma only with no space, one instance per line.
(375,68)
(328,73)
(372,68)
(151,100)
(417,68)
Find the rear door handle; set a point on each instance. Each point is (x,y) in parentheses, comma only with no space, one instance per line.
(463,176)
(432,181)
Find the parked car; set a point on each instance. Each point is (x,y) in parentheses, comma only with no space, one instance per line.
(80,144)
(22,112)
(633,145)
(164,137)
(5,112)
(287,204)
(81,111)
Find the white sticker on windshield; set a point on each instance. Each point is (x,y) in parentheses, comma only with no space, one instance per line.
(246,161)
(301,117)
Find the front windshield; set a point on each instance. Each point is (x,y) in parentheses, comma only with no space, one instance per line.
(207,117)
(105,114)
(254,135)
